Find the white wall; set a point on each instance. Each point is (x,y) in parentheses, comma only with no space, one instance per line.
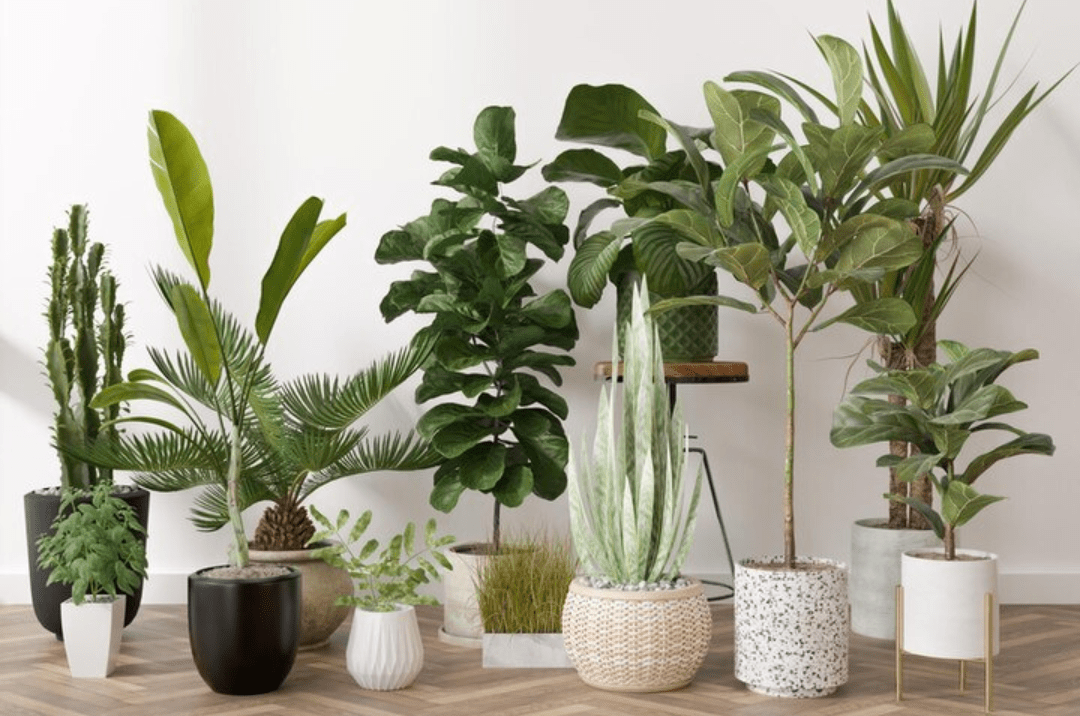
(344,100)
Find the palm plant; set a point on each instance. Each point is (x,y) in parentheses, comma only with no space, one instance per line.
(224,365)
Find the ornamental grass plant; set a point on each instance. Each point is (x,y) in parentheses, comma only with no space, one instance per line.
(524,589)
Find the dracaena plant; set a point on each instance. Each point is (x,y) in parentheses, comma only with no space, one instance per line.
(818,189)
(224,366)
(627,514)
(943,113)
(946,405)
(499,430)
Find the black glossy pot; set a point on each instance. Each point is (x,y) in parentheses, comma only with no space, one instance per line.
(40,510)
(244,632)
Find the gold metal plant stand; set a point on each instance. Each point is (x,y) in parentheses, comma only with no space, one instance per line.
(988,654)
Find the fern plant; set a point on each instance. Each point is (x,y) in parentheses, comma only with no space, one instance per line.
(627,514)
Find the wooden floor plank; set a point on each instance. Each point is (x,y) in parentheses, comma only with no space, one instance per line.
(1037,674)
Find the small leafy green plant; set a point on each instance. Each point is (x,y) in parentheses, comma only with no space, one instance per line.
(389,578)
(626,513)
(96,547)
(522,591)
(946,405)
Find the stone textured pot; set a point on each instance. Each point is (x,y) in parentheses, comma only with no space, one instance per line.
(40,511)
(944,603)
(92,631)
(791,627)
(384,652)
(875,572)
(320,586)
(462,624)
(244,632)
(636,641)
(525,651)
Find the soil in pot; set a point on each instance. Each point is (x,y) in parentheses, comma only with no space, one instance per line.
(244,630)
(40,507)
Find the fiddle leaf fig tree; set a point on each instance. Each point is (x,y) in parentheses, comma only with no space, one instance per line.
(945,405)
(499,431)
(791,219)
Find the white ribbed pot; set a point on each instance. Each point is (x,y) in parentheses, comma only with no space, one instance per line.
(462,624)
(384,652)
(320,586)
(875,572)
(92,635)
(944,603)
(791,627)
(638,641)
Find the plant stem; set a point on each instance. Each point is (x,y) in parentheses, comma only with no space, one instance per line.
(239,557)
(496,529)
(789,437)
(950,541)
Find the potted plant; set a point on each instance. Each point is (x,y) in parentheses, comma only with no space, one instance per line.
(384,652)
(521,596)
(98,550)
(632,622)
(243,619)
(497,428)
(84,354)
(946,405)
(791,612)
(656,180)
(949,118)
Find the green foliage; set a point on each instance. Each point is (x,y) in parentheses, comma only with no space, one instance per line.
(97,547)
(501,433)
(618,117)
(223,368)
(522,590)
(85,349)
(946,405)
(627,513)
(390,577)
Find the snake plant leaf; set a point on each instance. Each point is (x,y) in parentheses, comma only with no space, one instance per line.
(735,133)
(804,221)
(197,328)
(846,68)
(883,316)
(961,502)
(304,237)
(183,180)
(609,116)
(587,165)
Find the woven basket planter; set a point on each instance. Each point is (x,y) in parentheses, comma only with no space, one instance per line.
(636,641)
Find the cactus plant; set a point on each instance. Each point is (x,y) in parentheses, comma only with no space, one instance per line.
(86,346)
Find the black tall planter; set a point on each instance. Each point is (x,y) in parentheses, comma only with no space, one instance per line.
(244,632)
(40,512)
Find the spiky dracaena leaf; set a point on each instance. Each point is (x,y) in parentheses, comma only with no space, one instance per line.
(628,517)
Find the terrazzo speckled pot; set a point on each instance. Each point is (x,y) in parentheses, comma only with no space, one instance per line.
(791,627)
(384,652)
(631,641)
(320,586)
(875,572)
(944,603)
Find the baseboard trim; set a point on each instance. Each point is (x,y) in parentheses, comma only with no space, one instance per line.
(1013,588)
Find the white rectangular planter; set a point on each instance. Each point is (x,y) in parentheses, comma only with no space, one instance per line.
(92,636)
(525,651)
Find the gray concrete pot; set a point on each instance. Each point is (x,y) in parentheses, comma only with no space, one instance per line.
(875,572)
(525,651)
(462,625)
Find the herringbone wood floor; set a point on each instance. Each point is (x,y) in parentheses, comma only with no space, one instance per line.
(1037,673)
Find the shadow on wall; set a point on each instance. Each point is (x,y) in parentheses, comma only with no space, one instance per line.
(21,379)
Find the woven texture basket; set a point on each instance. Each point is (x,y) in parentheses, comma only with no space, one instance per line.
(636,641)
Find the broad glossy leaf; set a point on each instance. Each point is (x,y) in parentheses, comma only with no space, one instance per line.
(586,165)
(552,310)
(126,392)
(184,183)
(776,85)
(442,415)
(609,115)
(932,517)
(804,222)
(668,304)
(514,487)
(846,68)
(948,439)
(548,206)
(455,438)
(881,244)
(748,263)
(725,188)
(482,466)
(883,316)
(493,133)
(1026,444)
(986,402)
(588,273)
(851,148)
(961,502)
(735,132)
(197,328)
(911,468)
(448,488)
(693,226)
(656,257)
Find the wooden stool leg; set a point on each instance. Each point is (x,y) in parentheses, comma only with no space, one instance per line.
(963,676)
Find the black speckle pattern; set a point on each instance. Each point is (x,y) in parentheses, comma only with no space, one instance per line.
(791,628)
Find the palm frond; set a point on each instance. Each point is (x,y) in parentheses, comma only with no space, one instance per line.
(392,451)
(152,452)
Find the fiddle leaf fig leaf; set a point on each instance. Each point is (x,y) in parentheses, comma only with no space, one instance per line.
(735,133)
(587,165)
(804,222)
(610,116)
(846,67)
(882,316)
(961,502)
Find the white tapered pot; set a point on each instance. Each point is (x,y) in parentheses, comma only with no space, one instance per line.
(791,627)
(875,572)
(384,652)
(92,635)
(944,603)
